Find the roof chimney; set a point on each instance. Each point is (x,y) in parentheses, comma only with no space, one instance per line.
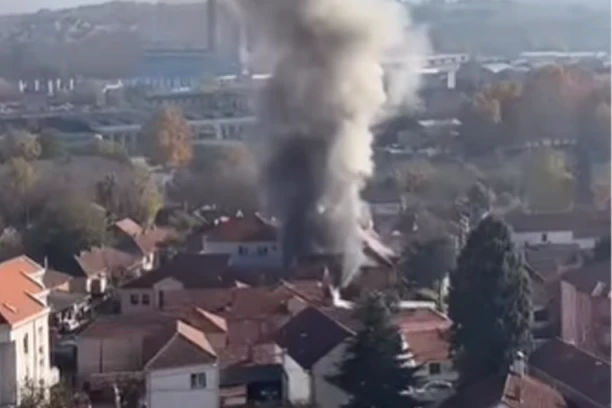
(519,367)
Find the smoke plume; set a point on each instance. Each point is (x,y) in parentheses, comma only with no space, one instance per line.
(327,88)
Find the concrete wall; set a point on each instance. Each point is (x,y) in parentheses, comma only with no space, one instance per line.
(297,383)
(247,253)
(551,237)
(327,395)
(24,354)
(107,355)
(169,387)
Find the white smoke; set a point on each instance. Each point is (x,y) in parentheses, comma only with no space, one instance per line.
(327,89)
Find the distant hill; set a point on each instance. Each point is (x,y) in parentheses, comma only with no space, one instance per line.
(104,40)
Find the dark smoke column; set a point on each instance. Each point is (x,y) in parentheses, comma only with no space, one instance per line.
(326,90)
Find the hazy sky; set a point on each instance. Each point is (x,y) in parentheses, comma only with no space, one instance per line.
(20,6)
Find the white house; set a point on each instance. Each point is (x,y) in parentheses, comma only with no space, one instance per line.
(24,329)
(184,370)
(572,227)
(312,344)
(249,240)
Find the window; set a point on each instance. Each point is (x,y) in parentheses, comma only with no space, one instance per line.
(262,250)
(26,344)
(146,299)
(242,250)
(134,299)
(434,368)
(198,380)
(540,315)
(544,237)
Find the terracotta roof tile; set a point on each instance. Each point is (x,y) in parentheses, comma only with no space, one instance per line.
(511,391)
(128,227)
(577,369)
(107,260)
(53,278)
(18,290)
(429,345)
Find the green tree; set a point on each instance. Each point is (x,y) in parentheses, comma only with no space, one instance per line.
(167,138)
(66,226)
(20,178)
(136,196)
(22,144)
(375,370)
(111,150)
(489,303)
(37,396)
(548,183)
(51,144)
(425,264)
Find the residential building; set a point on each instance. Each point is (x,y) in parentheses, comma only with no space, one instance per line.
(581,377)
(512,390)
(312,344)
(185,369)
(573,227)
(248,239)
(545,265)
(585,308)
(24,329)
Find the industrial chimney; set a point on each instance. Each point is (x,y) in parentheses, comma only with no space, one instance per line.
(212,25)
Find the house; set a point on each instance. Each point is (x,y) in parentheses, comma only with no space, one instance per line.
(515,389)
(573,227)
(581,377)
(248,239)
(383,200)
(173,358)
(56,281)
(585,307)
(545,265)
(185,369)
(24,329)
(314,340)
(139,241)
(312,344)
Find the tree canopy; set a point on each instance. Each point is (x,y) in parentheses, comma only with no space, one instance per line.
(425,264)
(489,303)
(167,138)
(375,370)
(66,226)
(548,182)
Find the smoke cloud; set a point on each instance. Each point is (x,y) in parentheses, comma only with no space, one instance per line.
(327,88)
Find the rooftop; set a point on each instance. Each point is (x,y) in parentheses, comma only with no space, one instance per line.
(310,335)
(583,224)
(577,369)
(592,279)
(510,391)
(18,290)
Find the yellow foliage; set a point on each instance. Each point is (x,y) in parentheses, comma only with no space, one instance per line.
(548,183)
(167,139)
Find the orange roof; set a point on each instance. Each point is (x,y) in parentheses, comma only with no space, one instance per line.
(17,291)
(129,227)
(247,228)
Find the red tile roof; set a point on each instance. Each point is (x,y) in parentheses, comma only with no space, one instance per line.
(510,391)
(128,227)
(18,290)
(188,346)
(574,368)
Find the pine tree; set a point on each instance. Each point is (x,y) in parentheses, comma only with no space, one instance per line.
(375,371)
(489,303)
